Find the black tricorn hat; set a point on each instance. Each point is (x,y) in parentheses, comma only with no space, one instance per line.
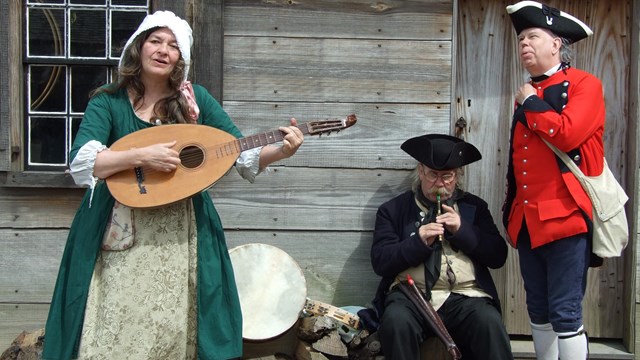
(441,152)
(532,14)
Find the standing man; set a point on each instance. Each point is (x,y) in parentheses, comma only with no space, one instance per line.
(546,212)
(448,253)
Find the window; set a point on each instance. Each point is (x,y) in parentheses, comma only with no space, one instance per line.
(70,48)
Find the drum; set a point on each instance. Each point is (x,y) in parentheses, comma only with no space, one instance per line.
(271,287)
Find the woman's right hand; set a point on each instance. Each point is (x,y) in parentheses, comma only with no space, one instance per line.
(160,157)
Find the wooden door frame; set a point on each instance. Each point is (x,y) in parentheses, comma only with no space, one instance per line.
(633,163)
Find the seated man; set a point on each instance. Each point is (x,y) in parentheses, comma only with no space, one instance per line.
(448,255)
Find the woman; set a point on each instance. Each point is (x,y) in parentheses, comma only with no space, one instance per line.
(139,283)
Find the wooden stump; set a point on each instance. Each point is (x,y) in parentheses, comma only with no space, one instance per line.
(433,348)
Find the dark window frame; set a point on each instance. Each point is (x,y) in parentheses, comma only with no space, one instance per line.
(207,70)
(51,112)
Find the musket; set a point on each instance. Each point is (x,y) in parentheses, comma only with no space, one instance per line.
(410,290)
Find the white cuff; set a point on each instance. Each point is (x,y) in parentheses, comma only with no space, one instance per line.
(525,99)
(81,168)
(248,164)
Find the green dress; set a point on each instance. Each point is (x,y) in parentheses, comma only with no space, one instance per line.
(172,294)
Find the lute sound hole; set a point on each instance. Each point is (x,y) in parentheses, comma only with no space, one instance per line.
(191,156)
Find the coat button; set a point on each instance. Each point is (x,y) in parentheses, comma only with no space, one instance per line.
(550,131)
(564,95)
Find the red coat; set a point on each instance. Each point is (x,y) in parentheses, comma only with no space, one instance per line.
(569,112)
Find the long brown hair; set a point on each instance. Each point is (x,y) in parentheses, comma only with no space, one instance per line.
(171,109)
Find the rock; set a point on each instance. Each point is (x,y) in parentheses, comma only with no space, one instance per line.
(305,352)
(27,346)
(331,344)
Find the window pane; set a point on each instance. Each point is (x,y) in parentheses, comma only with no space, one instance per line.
(40,2)
(84,79)
(130,2)
(88,2)
(123,25)
(47,88)
(88,31)
(47,140)
(46,32)
(76,43)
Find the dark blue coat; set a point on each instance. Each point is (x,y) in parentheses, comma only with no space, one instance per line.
(397,245)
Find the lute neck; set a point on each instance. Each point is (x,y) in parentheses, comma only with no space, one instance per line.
(267,138)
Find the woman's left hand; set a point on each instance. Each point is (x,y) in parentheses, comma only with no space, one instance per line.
(292,140)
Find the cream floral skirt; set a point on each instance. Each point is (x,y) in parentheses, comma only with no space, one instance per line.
(142,300)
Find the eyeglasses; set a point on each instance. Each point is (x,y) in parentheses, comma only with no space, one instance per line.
(433,177)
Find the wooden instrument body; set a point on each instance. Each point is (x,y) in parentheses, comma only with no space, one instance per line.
(319,308)
(206,153)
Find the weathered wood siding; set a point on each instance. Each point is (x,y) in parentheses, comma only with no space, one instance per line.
(4,83)
(632,296)
(390,64)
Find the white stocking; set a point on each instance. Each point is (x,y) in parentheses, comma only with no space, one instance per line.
(573,345)
(545,341)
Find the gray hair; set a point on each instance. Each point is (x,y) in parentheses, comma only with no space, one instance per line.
(566,53)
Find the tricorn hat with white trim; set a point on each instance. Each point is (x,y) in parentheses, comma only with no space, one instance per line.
(532,14)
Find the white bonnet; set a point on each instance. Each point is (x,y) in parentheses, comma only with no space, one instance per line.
(180,28)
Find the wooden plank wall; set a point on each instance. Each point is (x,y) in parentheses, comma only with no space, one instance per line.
(4,83)
(390,64)
(10,65)
(632,327)
(485,85)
